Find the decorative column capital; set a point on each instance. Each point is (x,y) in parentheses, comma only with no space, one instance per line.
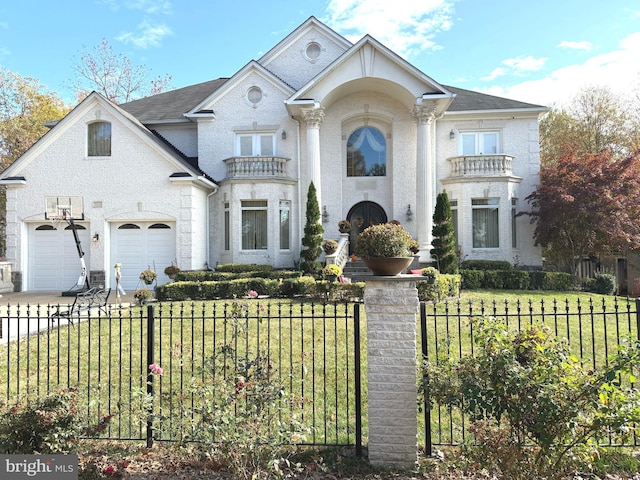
(424,114)
(313,116)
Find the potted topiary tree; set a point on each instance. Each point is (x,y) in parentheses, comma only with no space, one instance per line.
(385,248)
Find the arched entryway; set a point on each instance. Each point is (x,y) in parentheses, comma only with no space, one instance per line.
(362,215)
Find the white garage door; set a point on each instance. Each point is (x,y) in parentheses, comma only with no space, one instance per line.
(54,262)
(138,246)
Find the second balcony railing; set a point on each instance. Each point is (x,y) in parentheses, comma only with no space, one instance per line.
(253,167)
(481,165)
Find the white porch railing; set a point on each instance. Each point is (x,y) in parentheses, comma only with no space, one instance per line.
(481,165)
(256,167)
(341,255)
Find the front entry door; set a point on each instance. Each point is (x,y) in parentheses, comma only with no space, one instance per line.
(361,216)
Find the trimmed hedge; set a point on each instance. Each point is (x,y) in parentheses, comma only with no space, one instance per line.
(516,280)
(486,265)
(243,267)
(220,276)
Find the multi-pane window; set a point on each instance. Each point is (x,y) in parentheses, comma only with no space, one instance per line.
(255,144)
(285,225)
(485,222)
(254,224)
(99,139)
(479,143)
(366,153)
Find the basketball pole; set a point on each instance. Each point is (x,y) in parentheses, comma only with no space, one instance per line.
(83,280)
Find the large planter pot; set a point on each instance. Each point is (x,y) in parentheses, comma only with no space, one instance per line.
(387,266)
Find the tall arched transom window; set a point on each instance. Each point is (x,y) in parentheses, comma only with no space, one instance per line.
(366,153)
(99,139)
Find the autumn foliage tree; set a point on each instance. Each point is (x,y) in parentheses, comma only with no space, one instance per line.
(587,205)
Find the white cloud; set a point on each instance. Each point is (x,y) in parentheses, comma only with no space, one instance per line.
(146,35)
(403,26)
(147,6)
(584,45)
(497,72)
(618,69)
(4,52)
(519,66)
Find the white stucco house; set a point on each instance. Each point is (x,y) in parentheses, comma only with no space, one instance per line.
(218,172)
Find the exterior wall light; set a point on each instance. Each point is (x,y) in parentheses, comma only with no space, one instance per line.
(325,214)
(96,237)
(452,134)
(409,214)
(284,134)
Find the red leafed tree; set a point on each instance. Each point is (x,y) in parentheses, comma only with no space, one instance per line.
(587,205)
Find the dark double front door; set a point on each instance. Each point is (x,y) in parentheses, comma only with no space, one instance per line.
(361,216)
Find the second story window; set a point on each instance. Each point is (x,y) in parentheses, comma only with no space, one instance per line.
(366,153)
(479,143)
(99,139)
(255,145)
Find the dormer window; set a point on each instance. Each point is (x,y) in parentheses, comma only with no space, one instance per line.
(99,139)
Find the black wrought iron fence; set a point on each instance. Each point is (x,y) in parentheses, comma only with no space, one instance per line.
(593,329)
(315,350)
(312,351)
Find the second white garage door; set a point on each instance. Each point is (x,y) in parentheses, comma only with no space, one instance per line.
(141,245)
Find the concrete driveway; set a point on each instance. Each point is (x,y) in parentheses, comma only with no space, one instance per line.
(22,313)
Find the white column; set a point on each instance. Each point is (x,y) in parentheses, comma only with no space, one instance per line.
(425,179)
(313,119)
(391,305)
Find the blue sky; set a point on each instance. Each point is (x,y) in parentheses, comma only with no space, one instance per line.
(539,51)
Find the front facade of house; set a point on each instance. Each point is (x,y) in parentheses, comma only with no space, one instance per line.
(218,172)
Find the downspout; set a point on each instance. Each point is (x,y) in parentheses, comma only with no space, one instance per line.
(208,242)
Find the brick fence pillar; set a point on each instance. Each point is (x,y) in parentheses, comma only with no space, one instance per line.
(391,305)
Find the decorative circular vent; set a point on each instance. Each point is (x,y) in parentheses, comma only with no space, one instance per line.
(254,95)
(313,51)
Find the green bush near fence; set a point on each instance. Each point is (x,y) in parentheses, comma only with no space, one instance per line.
(517,280)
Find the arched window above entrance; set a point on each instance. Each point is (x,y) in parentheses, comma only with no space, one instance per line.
(366,153)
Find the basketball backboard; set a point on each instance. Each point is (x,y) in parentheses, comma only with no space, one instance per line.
(64,208)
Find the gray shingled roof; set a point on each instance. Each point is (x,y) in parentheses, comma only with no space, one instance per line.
(171,105)
(468,100)
(174,104)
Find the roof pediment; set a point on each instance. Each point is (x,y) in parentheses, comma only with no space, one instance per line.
(92,101)
(253,67)
(369,65)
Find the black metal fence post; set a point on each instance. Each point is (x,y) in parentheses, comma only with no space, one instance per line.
(357,375)
(428,447)
(150,361)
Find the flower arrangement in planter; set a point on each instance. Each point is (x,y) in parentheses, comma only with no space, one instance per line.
(142,295)
(344,226)
(385,241)
(430,273)
(330,247)
(148,276)
(331,271)
(171,271)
